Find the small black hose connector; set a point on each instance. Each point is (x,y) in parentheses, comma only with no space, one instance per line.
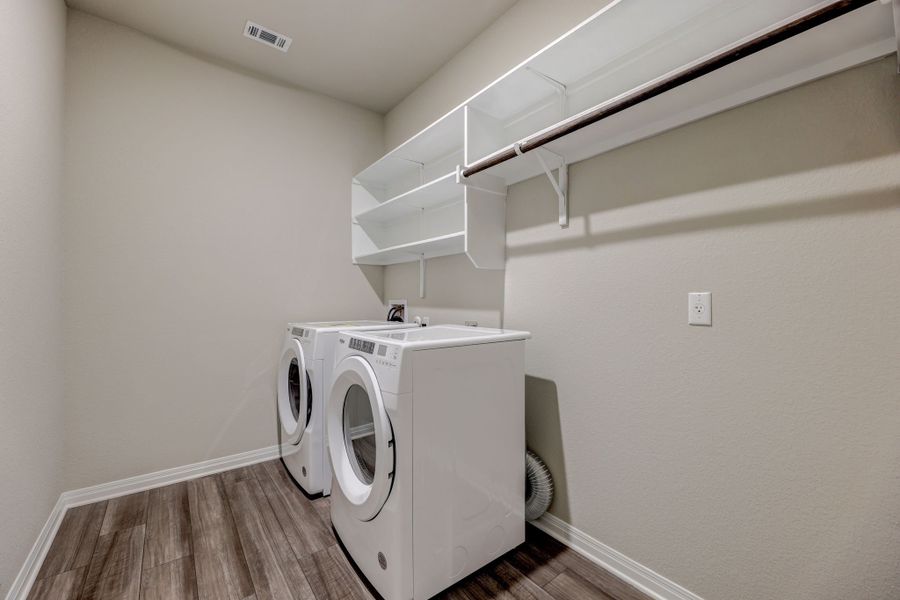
(538,486)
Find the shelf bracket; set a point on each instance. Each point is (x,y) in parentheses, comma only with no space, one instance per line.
(421,276)
(420,165)
(560,184)
(559,86)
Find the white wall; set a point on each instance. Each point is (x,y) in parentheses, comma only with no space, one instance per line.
(757,458)
(31,427)
(204,210)
(479,299)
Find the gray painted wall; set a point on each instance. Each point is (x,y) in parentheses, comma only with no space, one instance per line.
(204,210)
(31,373)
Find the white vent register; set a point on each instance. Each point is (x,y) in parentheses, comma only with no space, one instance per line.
(266,36)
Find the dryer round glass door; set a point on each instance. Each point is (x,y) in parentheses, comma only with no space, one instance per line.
(359,433)
(294,392)
(361,440)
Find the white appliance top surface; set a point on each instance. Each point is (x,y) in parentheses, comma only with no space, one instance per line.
(444,335)
(360,325)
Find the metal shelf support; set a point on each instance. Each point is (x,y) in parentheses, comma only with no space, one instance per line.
(421,276)
(560,183)
(558,86)
(419,165)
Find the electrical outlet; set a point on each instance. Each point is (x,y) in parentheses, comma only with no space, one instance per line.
(401,312)
(700,308)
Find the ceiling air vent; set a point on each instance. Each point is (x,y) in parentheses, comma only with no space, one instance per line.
(267,36)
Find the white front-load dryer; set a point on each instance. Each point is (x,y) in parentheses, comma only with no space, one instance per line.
(303,374)
(427,443)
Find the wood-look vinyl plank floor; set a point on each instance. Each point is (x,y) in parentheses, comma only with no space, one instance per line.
(250,534)
(115,571)
(173,580)
(73,545)
(222,570)
(65,586)
(537,561)
(501,580)
(168,525)
(265,557)
(571,586)
(599,578)
(305,530)
(125,512)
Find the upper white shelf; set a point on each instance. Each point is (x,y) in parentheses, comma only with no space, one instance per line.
(633,43)
(439,146)
(433,194)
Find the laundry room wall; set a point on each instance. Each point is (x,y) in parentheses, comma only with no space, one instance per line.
(753,459)
(205,208)
(31,381)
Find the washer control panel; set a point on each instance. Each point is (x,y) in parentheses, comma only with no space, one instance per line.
(389,356)
(301,333)
(384,355)
(362,345)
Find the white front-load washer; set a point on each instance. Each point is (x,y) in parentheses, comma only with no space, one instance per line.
(303,373)
(427,443)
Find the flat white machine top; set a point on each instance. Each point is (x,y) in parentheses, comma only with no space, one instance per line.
(349,325)
(442,336)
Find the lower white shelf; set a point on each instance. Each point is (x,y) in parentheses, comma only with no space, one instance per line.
(423,224)
(443,245)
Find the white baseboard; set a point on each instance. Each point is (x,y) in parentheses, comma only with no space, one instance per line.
(139,483)
(626,569)
(21,585)
(27,575)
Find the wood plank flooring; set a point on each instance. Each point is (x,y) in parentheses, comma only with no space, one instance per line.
(250,534)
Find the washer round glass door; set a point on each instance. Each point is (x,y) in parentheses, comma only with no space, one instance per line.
(360,438)
(294,397)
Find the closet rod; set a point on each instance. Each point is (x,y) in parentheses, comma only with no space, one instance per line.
(686,75)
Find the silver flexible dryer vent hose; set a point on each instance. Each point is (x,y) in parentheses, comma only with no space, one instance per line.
(538,486)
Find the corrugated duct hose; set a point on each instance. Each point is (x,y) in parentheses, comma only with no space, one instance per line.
(538,486)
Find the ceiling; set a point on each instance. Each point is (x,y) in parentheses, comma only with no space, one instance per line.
(372,53)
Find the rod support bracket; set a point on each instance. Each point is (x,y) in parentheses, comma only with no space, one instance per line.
(560,183)
(421,276)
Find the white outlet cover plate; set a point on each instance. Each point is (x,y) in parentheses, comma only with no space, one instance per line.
(700,308)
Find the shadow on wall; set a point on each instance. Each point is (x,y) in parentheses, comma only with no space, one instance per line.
(455,291)
(375,276)
(873,201)
(719,172)
(543,435)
